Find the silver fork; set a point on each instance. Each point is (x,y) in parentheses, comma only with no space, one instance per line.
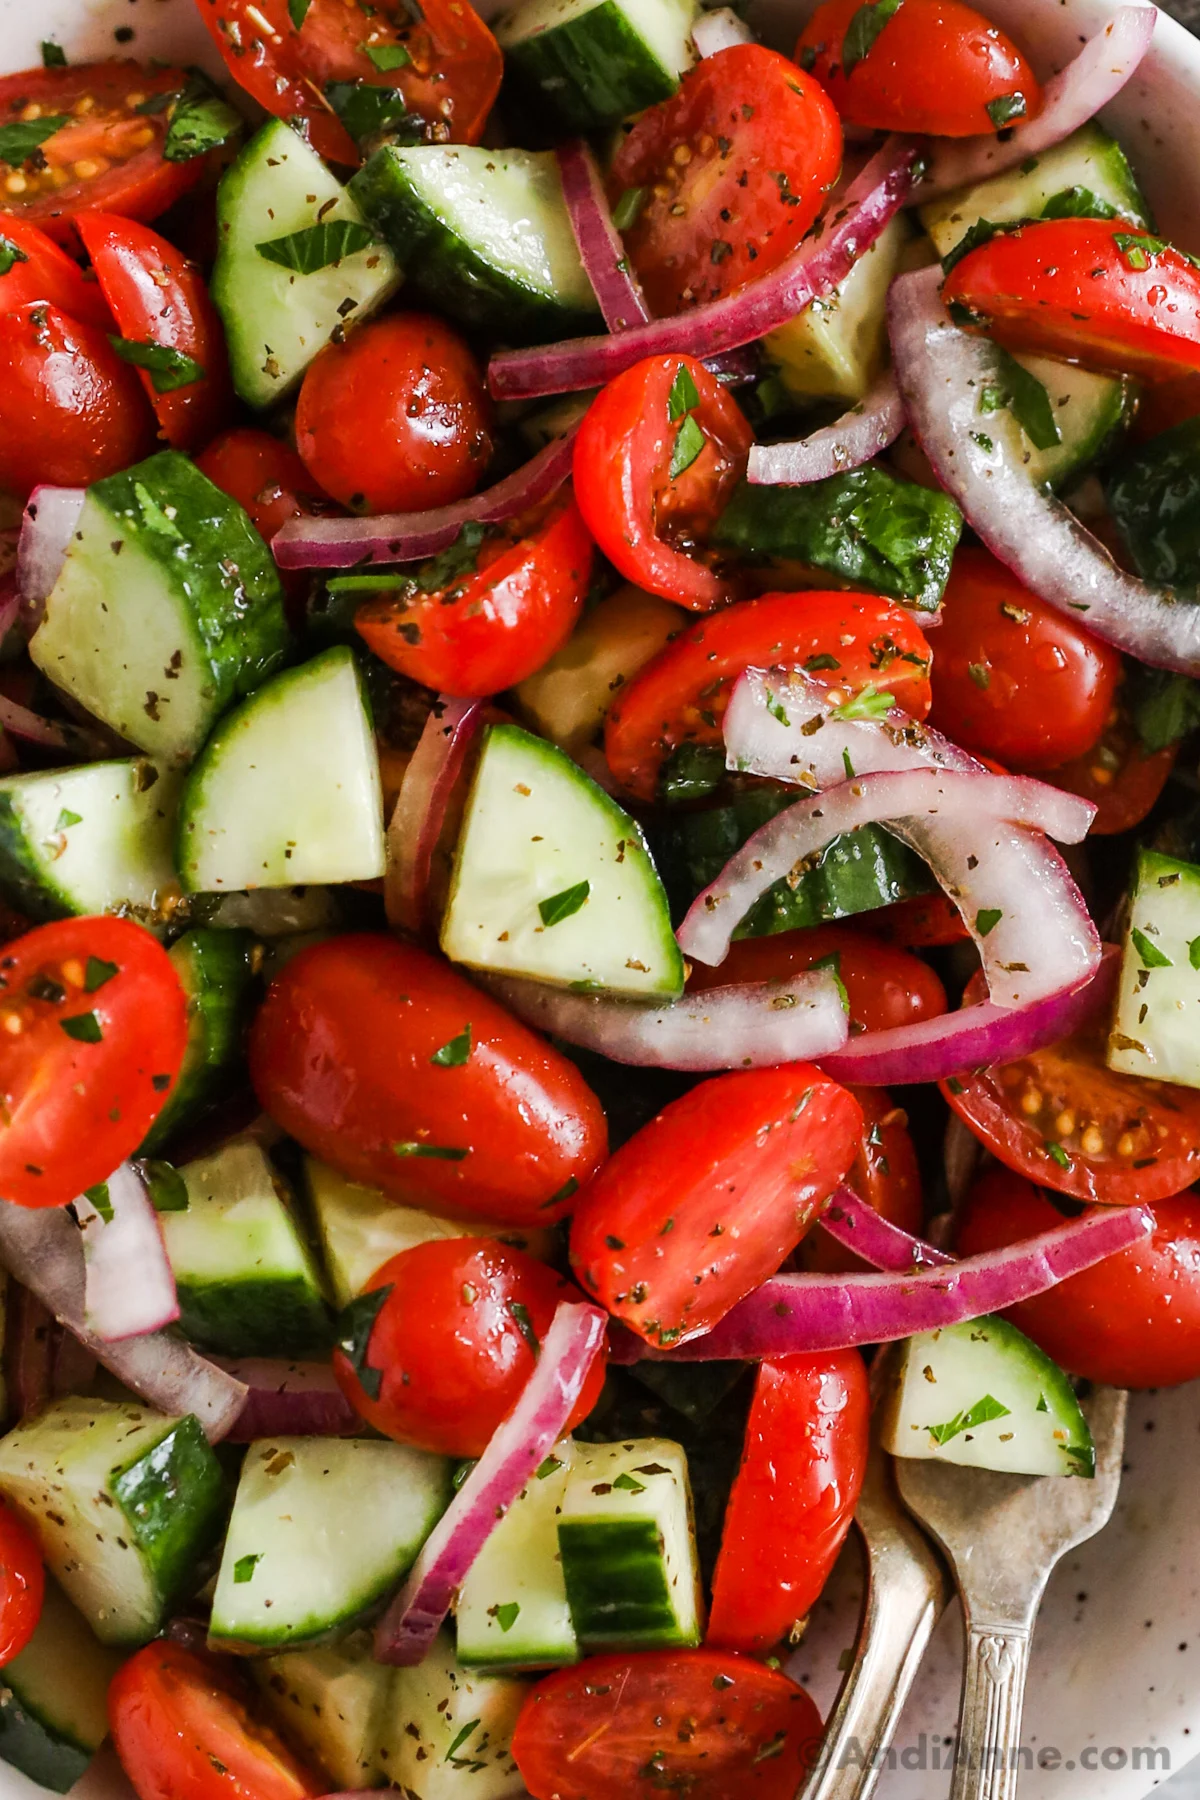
(1003,1535)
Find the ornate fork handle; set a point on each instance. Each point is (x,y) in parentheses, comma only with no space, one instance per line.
(988,1764)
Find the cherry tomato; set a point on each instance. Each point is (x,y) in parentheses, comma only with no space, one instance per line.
(158,297)
(1066,1120)
(40,269)
(733,170)
(449,74)
(268,479)
(704,1202)
(93,1024)
(884,987)
(885,1174)
(107,153)
(681,694)
(935,66)
(183,1732)
(922,922)
(454,1342)
(396,418)
(70,410)
(659,452)
(793,1499)
(22,1584)
(488,627)
(1131,1321)
(1118,774)
(344,1054)
(1163,404)
(1090,290)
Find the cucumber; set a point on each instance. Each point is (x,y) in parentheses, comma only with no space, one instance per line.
(449,1732)
(216,971)
(1154,1031)
(54,1697)
(865,529)
(322,1530)
(593,62)
(982,1395)
(272,912)
(1153,494)
(287,789)
(276,319)
(360,1228)
(168,607)
(331,1704)
(512,1608)
(99,839)
(552,879)
(246,1282)
(627,1539)
(836,346)
(568,697)
(125,1503)
(484,235)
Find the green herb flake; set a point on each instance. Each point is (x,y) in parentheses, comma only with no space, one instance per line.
(570,1186)
(387,57)
(101,1200)
(98,971)
(1041,1405)
(1194,952)
(629,1484)
(824,661)
(18,142)
(562,906)
(83,1027)
(847,764)
(507,1614)
(467,1730)
(987,919)
(689,442)
(628,209)
(10,255)
(53,55)
(862,31)
(167,368)
(1152,957)
(955,1085)
(65,820)
(981,232)
(683,396)
(547,1467)
(298,12)
(317,246)
(454,1054)
(431,1152)
(775,1746)
(244,1567)
(366,110)
(1005,108)
(457,559)
(201,120)
(833,962)
(777,709)
(524,1324)
(1138,248)
(1077,203)
(979,1414)
(869,703)
(980,674)
(165,1185)
(153,516)
(355,1324)
(1057,1154)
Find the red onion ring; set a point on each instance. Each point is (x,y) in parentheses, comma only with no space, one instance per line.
(128,1285)
(19,722)
(416,823)
(290,1400)
(530,1431)
(860,1228)
(50,517)
(848,443)
(601,251)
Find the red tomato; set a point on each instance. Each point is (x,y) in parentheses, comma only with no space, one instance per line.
(885,987)
(794,1497)
(40,269)
(923,922)
(268,479)
(158,297)
(1118,774)
(708,1724)
(93,1024)
(449,75)
(733,170)
(343,1056)
(22,1584)
(1163,404)
(183,1732)
(935,66)
(454,1342)
(396,418)
(681,694)
(1012,677)
(885,1174)
(704,1202)
(1089,290)
(105,154)
(659,452)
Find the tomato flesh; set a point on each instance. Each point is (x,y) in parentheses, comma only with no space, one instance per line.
(22,1584)
(884,987)
(885,1173)
(1121,778)
(268,479)
(40,269)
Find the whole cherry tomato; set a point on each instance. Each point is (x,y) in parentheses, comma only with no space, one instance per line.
(270,482)
(38,268)
(920,923)
(22,1584)
(884,987)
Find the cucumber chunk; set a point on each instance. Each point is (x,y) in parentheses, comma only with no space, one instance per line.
(552,879)
(450,1730)
(322,1529)
(983,1395)
(835,347)
(1155,1033)
(246,1282)
(593,62)
(276,319)
(569,696)
(125,1503)
(484,235)
(54,1697)
(332,1705)
(627,1539)
(512,1608)
(216,972)
(100,839)
(167,610)
(287,789)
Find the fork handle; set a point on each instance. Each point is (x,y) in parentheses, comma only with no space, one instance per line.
(987,1763)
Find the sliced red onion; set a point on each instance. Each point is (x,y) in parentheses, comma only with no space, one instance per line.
(754,1025)
(296,1399)
(416,824)
(962,1156)
(720,29)
(848,443)
(529,1433)
(601,251)
(816,267)
(1069,100)
(50,517)
(128,1285)
(861,1229)
(941,371)
(10,603)
(19,722)
(326,543)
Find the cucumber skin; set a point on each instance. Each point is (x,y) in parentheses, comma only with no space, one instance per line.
(21,881)
(615,1585)
(175,1499)
(591,71)
(257,1317)
(218,1011)
(48,1757)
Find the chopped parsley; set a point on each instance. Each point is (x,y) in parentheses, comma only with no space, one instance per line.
(431,1152)
(628,208)
(244,1567)
(387,57)
(1005,108)
(18,142)
(83,1027)
(317,246)
(167,368)
(101,1200)
(1152,957)
(507,1614)
(862,31)
(355,1324)
(979,1414)
(454,1054)
(97,971)
(987,919)
(561,906)
(10,255)
(867,704)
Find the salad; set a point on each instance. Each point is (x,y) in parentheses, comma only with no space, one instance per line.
(562,588)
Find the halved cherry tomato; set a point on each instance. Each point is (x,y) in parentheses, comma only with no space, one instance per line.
(884,987)
(39,269)
(183,1732)
(70,410)
(1012,677)
(885,1174)
(158,297)
(732,172)
(1163,404)
(921,923)
(1118,774)
(793,1500)
(1066,1120)
(92,1031)
(396,418)
(681,695)
(268,479)
(22,1584)
(1131,1321)
(344,1055)
(107,152)
(935,66)
(657,456)
(488,626)
(449,74)
(704,1202)
(453,1343)
(706,1724)
(1093,291)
